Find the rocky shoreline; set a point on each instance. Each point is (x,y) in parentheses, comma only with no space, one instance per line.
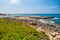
(51,30)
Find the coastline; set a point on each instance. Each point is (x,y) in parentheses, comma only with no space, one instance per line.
(41,23)
(51,30)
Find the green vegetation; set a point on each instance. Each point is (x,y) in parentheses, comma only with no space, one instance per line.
(11,29)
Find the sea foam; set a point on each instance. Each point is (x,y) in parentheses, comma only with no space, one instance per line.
(52,21)
(55,18)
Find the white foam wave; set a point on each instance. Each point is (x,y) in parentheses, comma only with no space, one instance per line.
(55,18)
(52,21)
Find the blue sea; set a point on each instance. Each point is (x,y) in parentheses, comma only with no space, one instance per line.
(56,18)
(52,15)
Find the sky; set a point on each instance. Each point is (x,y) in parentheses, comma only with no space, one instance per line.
(29,6)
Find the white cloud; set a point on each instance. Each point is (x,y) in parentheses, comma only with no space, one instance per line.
(38,6)
(53,7)
(14,1)
(11,1)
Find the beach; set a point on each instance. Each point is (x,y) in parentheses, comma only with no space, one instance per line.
(44,25)
(40,23)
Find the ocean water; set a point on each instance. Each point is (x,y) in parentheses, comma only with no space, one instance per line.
(52,15)
(56,18)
